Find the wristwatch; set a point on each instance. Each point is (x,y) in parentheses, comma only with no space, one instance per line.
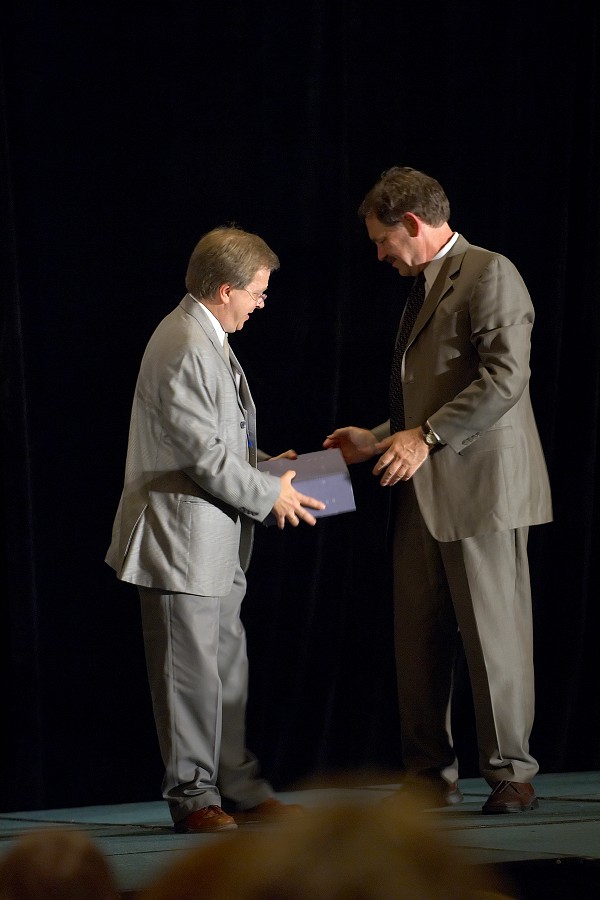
(431,439)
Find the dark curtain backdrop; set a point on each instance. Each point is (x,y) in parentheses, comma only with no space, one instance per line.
(129,130)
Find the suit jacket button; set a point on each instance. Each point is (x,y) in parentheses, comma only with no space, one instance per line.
(242,424)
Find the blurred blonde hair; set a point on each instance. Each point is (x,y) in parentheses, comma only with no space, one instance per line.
(387,851)
(56,864)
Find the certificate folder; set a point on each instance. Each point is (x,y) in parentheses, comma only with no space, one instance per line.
(322,475)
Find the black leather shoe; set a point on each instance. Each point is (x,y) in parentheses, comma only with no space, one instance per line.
(510,797)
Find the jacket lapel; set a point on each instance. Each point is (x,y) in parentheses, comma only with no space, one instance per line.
(189,304)
(441,287)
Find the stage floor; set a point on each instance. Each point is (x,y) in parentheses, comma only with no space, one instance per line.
(552,852)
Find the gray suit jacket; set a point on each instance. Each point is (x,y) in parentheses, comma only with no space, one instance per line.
(192,491)
(466,370)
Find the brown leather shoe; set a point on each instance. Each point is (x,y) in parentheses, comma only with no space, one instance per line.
(205,821)
(429,793)
(270,810)
(510,797)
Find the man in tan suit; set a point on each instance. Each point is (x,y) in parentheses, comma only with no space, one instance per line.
(183,531)
(463,455)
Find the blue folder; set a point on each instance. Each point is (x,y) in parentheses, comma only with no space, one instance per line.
(323,475)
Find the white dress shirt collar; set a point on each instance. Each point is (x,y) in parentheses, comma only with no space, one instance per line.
(434,266)
(220,331)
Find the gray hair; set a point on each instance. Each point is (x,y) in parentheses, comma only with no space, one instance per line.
(227,255)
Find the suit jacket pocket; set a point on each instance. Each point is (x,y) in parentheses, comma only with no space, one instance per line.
(496,439)
(213,539)
(187,544)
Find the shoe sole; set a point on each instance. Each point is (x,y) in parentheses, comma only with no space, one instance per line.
(510,810)
(230,827)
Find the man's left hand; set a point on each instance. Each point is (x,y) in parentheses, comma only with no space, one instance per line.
(401,455)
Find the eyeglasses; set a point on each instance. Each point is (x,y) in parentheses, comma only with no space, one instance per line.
(259,299)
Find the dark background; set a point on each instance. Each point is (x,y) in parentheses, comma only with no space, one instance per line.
(128,130)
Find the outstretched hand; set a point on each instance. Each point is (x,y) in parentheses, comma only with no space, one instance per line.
(288,454)
(356,444)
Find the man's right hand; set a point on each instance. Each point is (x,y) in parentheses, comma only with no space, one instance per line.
(356,444)
(291,505)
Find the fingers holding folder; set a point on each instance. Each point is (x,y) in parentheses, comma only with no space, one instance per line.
(321,482)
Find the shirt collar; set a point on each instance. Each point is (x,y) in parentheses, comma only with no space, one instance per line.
(434,266)
(220,331)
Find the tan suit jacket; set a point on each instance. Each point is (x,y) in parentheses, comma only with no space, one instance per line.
(192,491)
(466,371)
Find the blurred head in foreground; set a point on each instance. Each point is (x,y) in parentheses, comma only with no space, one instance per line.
(387,851)
(56,864)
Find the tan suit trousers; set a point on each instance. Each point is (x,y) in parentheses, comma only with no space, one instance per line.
(477,589)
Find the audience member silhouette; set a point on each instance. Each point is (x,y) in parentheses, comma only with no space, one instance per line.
(56,864)
(384,851)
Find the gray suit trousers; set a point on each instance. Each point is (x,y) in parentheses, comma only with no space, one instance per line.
(198,672)
(477,589)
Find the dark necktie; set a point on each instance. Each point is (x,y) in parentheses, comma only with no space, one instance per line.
(414,302)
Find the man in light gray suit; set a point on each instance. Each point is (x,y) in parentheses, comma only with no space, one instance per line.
(184,527)
(463,454)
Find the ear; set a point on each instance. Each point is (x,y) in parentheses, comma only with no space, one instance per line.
(224,294)
(412,223)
